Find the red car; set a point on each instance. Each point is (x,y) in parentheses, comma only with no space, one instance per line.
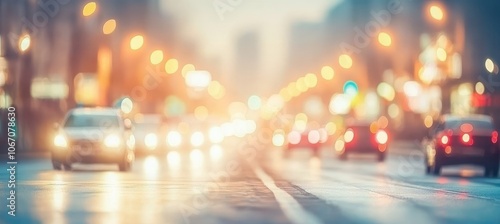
(358,138)
(311,139)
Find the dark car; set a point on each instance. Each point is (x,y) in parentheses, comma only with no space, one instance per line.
(358,138)
(93,135)
(456,140)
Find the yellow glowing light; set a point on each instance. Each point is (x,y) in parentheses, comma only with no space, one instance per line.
(374,127)
(174,138)
(428,121)
(278,138)
(156,57)
(24,42)
(345,61)
(292,89)
(436,12)
(339,146)
(480,88)
(109,26)
(301,117)
(441,54)
(126,105)
(386,91)
(331,128)
(393,110)
(216,90)
(384,39)
(136,42)
(187,68)
(327,73)
(383,122)
(311,80)
(489,65)
(171,66)
(201,113)
(89,9)
(301,84)
(216,152)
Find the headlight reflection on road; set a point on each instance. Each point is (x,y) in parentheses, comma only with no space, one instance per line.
(59,194)
(197,163)
(216,152)
(196,156)
(151,167)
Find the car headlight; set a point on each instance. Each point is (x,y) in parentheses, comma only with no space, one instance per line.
(60,141)
(197,139)
(174,138)
(151,141)
(112,141)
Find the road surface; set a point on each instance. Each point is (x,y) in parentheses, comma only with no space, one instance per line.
(241,184)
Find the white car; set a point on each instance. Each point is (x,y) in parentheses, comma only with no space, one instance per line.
(93,135)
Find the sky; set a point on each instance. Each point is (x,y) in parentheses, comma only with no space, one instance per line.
(215,25)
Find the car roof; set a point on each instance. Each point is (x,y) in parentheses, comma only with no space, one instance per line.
(95,111)
(474,117)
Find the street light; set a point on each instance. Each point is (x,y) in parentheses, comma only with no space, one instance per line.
(436,12)
(345,61)
(490,66)
(109,26)
(24,42)
(198,80)
(327,73)
(384,39)
(156,57)
(136,42)
(89,9)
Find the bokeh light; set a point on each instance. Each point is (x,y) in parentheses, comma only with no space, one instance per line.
(171,66)
(136,42)
(384,39)
(156,57)
(24,42)
(201,113)
(89,9)
(327,72)
(436,12)
(345,61)
(254,102)
(480,88)
(109,26)
(187,68)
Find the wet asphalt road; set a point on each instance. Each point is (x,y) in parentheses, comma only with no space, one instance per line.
(257,185)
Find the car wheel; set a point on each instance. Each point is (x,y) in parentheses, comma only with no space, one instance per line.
(124,166)
(66,166)
(343,156)
(56,165)
(315,152)
(286,153)
(436,168)
(491,168)
(381,157)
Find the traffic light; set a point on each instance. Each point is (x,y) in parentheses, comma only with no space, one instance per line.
(350,88)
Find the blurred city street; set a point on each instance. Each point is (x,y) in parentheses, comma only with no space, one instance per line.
(229,188)
(249,111)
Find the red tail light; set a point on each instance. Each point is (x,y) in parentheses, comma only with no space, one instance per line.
(494,137)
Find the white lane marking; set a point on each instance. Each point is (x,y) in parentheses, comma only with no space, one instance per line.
(290,207)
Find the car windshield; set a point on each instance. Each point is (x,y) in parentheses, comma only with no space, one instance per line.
(477,124)
(90,120)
